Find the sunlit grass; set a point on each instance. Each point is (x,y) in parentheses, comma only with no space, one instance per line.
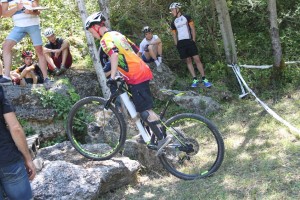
(262,158)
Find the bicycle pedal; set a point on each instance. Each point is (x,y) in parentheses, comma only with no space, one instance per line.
(152,146)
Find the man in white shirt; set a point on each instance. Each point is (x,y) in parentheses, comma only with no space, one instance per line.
(26,21)
(151,48)
(184,35)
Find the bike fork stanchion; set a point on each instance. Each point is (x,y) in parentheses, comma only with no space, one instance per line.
(134,115)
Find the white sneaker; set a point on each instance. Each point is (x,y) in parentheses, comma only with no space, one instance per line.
(159,68)
(159,58)
(157,63)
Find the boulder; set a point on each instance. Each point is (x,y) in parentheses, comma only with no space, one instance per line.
(191,100)
(64,174)
(146,157)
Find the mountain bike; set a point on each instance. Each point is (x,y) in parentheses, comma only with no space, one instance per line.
(97,129)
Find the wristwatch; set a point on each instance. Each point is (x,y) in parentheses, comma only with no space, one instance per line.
(23,9)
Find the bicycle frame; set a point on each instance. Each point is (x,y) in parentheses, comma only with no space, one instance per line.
(122,92)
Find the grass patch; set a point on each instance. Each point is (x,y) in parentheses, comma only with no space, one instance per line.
(262,158)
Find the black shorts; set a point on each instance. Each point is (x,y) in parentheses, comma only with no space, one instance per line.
(29,80)
(40,79)
(141,96)
(187,48)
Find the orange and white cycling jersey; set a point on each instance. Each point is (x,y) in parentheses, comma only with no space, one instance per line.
(130,65)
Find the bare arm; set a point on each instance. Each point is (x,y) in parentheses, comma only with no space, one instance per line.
(114,64)
(64,46)
(157,41)
(19,138)
(9,12)
(26,70)
(46,50)
(193,31)
(174,36)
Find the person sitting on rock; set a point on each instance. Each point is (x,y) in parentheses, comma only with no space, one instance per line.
(151,48)
(29,73)
(57,53)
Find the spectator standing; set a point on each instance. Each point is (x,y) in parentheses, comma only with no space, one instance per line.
(57,53)
(26,21)
(184,35)
(151,48)
(16,166)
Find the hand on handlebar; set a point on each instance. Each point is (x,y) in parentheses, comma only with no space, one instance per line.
(111,82)
(118,78)
(114,81)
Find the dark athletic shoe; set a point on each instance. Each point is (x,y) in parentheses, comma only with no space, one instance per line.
(5,81)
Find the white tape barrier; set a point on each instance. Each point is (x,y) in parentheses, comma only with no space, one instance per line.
(268,66)
(236,70)
(257,67)
(292,62)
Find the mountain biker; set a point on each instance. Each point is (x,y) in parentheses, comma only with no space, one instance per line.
(151,48)
(184,35)
(135,72)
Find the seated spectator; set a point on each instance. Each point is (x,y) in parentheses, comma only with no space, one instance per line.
(29,73)
(57,53)
(151,48)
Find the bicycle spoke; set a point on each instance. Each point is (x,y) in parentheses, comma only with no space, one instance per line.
(95,132)
(197,148)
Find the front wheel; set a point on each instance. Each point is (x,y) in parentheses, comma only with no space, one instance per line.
(95,132)
(197,148)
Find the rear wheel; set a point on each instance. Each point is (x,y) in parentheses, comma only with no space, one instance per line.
(95,132)
(197,148)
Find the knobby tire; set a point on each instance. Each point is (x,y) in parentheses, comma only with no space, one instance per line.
(96,133)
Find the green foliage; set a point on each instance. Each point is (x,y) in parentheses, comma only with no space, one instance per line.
(29,130)
(249,20)
(61,103)
(53,141)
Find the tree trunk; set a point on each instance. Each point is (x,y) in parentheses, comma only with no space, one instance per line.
(93,52)
(104,6)
(274,32)
(226,30)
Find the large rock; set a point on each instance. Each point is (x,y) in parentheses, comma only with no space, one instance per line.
(65,174)
(193,101)
(85,82)
(146,157)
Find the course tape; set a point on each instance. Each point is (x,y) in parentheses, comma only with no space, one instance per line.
(268,66)
(236,70)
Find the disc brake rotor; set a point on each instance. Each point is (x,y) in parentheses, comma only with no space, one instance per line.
(194,143)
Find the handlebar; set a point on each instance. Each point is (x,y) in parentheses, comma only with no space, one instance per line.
(120,89)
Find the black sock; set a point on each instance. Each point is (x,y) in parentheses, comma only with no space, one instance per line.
(203,78)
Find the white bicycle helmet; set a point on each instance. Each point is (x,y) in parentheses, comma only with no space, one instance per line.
(95,18)
(175,5)
(48,32)
(147,29)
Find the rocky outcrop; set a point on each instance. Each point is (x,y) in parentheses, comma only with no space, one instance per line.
(64,174)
